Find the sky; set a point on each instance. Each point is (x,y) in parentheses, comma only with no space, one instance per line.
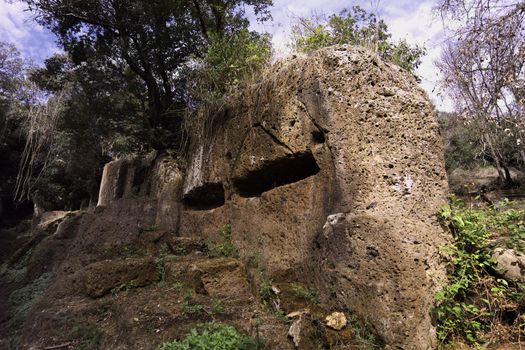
(412,20)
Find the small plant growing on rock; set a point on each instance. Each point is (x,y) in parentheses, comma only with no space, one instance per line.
(310,294)
(366,338)
(160,266)
(212,335)
(177,285)
(224,249)
(254,261)
(124,286)
(188,307)
(265,289)
(217,307)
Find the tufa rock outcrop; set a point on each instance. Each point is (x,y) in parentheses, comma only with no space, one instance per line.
(329,173)
(331,169)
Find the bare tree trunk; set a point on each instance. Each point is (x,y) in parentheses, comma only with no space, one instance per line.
(508,177)
(522,153)
(497,161)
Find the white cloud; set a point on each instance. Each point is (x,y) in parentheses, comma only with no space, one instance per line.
(17,27)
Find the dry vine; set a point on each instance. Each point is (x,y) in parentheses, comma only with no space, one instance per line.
(41,136)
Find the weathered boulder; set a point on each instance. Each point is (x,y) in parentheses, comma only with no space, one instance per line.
(330,169)
(331,166)
(104,276)
(510,264)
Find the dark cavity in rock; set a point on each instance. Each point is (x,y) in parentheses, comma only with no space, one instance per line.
(205,197)
(277,173)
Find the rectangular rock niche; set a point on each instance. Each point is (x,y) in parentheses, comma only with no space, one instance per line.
(205,197)
(276,173)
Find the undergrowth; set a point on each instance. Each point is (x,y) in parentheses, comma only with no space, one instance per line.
(212,336)
(22,300)
(87,336)
(365,335)
(225,248)
(478,301)
(306,293)
(16,272)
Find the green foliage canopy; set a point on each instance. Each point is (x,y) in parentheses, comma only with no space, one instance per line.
(153,39)
(354,26)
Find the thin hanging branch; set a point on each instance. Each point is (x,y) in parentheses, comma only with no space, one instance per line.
(41,134)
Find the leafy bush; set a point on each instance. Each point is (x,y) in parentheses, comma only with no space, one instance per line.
(226,248)
(310,294)
(212,336)
(355,27)
(230,59)
(476,298)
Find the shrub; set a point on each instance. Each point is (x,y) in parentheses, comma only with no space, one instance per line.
(212,336)
(354,26)
(475,297)
(226,248)
(229,60)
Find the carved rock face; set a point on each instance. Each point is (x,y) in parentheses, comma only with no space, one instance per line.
(331,170)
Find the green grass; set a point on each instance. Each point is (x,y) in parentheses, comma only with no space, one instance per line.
(214,336)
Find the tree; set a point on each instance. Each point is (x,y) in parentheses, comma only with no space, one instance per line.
(228,61)
(12,102)
(483,68)
(89,115)
(154,39)
(355,27)
(122,84)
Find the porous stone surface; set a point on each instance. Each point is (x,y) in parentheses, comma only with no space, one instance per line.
(329,169)
(510,264)
(332,167)
(336,320)
(103,276)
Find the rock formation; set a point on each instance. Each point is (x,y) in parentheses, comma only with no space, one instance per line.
(333,164)
(329,170)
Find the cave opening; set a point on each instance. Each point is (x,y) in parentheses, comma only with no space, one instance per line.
(276,173)
(208,196)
